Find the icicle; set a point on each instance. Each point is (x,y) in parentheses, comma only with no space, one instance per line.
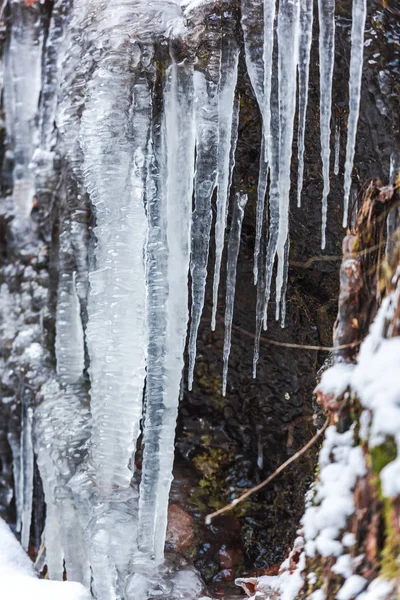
(266,151)
(326,10)
(285,282)
(61,431)
(15,445)
(258,55)
(260,210)
(306,23)
(226,120)
(355,77)
(169,320)
(273,153)
(233,253)
(22,80)
(69,342)
(27,466)
(260,306)
(114,136)
(288,32)
(206,111)
(252,16)
(337,150)
(51,72)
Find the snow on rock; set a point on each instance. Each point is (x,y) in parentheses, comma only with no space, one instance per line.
(284,586)
(18,580)
(336,380)
(351,588)
(375,382)
(379,589)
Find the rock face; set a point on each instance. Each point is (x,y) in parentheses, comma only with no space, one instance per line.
(223,445)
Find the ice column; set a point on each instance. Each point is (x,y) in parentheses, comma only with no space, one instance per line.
(306,23)
(168,268)
(233,253)
(356,69)
(326,12)
(22,83)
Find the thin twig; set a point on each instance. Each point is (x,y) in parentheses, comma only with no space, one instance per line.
(279,470)
(298,346)
(336,257)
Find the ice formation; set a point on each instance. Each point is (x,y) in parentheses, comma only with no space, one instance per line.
(139,103)
(356,68)
(326,14)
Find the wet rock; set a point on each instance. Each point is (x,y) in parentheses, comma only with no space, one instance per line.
(180,532)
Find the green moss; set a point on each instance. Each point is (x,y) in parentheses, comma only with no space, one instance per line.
(355,414)
(210,384)
(383,455)
(380,456)
(211,491)
(390,566)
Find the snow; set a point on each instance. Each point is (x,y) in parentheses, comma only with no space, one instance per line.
(379,589)
(18,580)
(341,464)
(351,587)
(343,566)
(336,379)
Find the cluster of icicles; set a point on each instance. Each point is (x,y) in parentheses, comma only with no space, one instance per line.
(142,167)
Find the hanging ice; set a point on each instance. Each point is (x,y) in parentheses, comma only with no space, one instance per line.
(226,120)
(117,114)
(306,24)
(166,362)
(326,13)
(258,55)
(288,35)
(22,82)
(26,474)
(356,68)
(337,150)
(141,127)
(205,180)
(233,253)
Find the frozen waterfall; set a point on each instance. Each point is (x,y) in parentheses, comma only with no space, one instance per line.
(139,103)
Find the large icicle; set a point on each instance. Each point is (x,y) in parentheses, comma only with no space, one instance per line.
(258,55)
(288,35)
(355,77)
(114,168)
(226,120)
(306,24)
(233,253)
(168,266)
(326,12)
(206,113)
(22,81)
